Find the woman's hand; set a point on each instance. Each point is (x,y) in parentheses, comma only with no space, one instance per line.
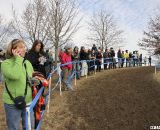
(16,52)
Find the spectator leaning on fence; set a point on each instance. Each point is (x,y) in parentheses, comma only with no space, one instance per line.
(130,59)
(94,48)
(89,61)
(113,61)
(106,58)
(83,58)
(140,60)
(37,57)
(92,57)
(67,69)
(149,60)
(49,62)
(134,58)
(99,59)
(126,55)
(119,55)
(123,59)
(75,58)
(16,70)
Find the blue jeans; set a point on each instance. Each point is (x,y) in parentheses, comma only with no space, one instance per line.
(14,116)
(76,67)
(66,79)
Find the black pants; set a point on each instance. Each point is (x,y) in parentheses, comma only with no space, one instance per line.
(98,66)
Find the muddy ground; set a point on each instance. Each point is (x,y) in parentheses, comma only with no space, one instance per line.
(122,99)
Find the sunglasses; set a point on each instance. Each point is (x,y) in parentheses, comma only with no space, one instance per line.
(14,42)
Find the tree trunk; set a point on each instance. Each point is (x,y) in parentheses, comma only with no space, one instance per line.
(56,56)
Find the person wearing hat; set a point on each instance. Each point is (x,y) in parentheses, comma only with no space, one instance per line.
(67,69)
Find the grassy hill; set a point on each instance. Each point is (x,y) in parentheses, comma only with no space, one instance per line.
(122,99)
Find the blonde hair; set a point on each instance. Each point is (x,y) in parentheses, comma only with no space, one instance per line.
(13,45)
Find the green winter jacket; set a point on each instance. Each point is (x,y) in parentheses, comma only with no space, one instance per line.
(15,77)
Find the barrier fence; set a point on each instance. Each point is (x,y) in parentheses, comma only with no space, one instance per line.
(157,65)
(57,70)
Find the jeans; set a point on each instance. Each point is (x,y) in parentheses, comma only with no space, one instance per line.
(14,116)
(66,79)
(119,62)
(76,68)
(84,69)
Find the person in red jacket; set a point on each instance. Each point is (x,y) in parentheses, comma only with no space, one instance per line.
(67,69)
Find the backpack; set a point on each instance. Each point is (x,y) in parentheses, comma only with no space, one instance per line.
(40,106)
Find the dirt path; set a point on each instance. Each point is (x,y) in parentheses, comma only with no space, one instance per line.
(123,99)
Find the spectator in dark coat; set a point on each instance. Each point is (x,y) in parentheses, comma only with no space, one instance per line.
(94,48)
(150,60)
(92,57)
(49,62)
(119,55)
(75,57)
(98,60)
(113,61)
(83,58)
(37,57)
(106,56)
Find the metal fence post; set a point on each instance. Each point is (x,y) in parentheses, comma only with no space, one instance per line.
(50,81)
(94,66)
(75,73)
(60,82)
(28,119)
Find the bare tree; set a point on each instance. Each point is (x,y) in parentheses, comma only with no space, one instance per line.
(52,21)
(64,22)
(5,31)
(151,39)
(104,31)
(33,24)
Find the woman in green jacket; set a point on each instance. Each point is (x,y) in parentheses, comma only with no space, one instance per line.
(14,71)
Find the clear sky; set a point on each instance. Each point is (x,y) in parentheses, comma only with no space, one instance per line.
(131,15)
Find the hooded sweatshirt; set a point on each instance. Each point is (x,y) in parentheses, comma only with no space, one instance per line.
(15,77)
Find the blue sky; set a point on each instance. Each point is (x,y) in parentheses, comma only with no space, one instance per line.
(131,15)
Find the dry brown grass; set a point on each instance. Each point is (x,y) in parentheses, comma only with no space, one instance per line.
(123,99)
